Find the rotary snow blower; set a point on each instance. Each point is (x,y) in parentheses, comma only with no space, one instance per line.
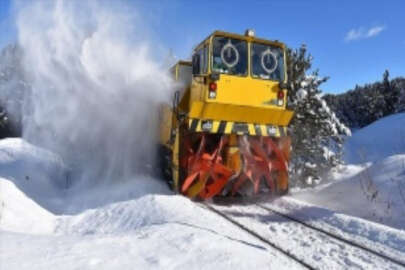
(225,132)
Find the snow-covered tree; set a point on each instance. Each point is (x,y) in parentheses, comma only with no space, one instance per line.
(370,102)
(317,134)
(399,84)
(390,94)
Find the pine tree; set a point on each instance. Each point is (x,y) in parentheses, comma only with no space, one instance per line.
(391,94)
(386,79)
(365,104)
(317,134)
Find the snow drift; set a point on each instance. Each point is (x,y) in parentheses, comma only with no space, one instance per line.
(377,141)
(36,172)
(30,173)
(372,183)
(19,213)
(113,234)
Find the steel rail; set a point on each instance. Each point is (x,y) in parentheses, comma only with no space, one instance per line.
(337,237)
(259,237)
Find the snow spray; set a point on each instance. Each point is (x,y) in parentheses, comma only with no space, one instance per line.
(96,86)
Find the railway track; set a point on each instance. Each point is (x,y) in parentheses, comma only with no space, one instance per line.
(259,237)
(337,237)
(302,260)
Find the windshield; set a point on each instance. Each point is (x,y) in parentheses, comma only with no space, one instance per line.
(267,62)
(229,56)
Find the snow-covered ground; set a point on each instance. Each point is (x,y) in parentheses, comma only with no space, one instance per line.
(315,248)
(372,183)
(135,224)
(139,224)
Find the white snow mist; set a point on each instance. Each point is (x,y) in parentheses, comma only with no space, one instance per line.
(95,86)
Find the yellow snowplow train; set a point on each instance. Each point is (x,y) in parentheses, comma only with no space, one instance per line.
(225,132)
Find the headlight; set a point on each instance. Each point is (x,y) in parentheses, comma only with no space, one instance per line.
(206,125)
(271,130)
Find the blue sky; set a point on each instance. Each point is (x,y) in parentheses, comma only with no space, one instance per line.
(353,42)
(7,32)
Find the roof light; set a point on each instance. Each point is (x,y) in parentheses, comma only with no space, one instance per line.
(250,33)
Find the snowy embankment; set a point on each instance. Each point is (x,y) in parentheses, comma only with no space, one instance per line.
(137,224)
(31,187)
(372,183)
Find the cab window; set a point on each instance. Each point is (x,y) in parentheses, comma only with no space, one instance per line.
(229,56)
(267,62)
(200,61)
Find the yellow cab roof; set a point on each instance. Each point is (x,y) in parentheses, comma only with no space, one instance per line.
(241,37)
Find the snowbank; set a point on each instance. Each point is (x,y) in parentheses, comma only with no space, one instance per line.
(372,183)
(31,187)
(376,192)
(38,173)
(377,141)
(125,225)
(18,213)
(42,176)
(34,166)
(79,198)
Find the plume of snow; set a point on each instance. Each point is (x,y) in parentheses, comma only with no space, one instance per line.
(96,84)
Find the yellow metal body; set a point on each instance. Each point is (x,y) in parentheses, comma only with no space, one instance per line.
(243,104)
(239,98)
